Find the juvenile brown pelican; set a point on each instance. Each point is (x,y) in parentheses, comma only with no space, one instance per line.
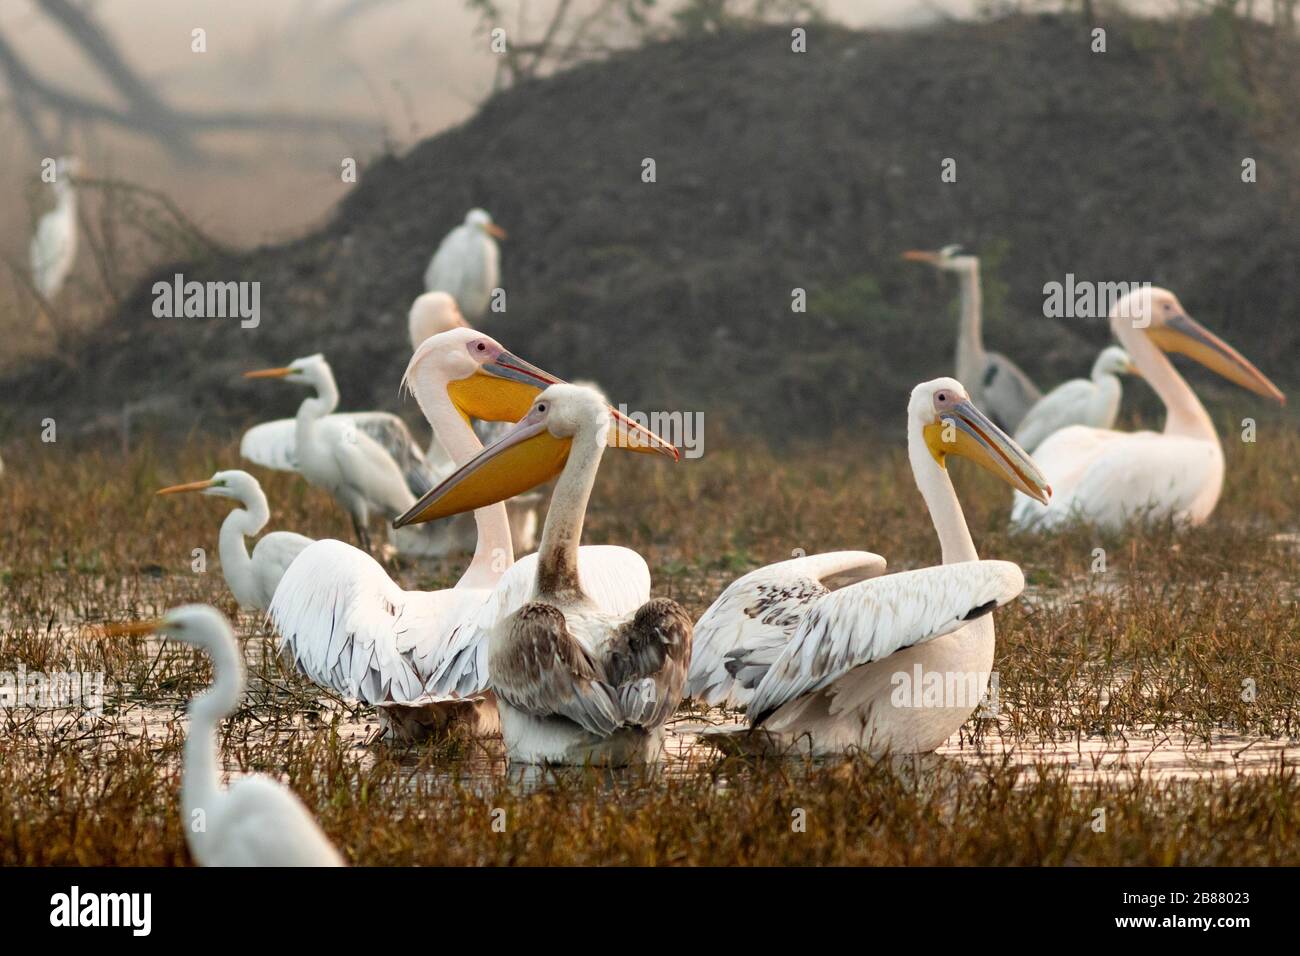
(996,384)
(574,683)
(823,670)
(1106,477)
(1092,401)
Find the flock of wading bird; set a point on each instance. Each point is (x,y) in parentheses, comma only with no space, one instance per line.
(564,652)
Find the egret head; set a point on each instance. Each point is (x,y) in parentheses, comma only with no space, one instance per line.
(236,484)
(1113,360)
(949,258)
(1158,315)
(485,381)
(480,219)
(432,313)
(196,624)
(531,453)
(310,370)
(941,412)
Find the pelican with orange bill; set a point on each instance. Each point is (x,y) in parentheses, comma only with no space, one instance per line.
(348,626)
(829,665)
(1109,478)
(574,683)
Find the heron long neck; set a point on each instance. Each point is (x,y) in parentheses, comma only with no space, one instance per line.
(945,510)
(557,558)
(236,565)
(970,336)
(201,781)
(494,551)
(1185,415)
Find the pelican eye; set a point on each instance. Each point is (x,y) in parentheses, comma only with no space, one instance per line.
(541,407)
(482,347)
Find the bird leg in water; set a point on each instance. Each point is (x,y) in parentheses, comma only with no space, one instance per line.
(363,534)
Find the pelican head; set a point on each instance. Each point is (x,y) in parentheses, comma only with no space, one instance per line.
(480,219)
(236,484)
(1159,315)
(1113,360)
(942,412)
(949,258)
(310,370)
(531,453)
(432,313)
(486,381)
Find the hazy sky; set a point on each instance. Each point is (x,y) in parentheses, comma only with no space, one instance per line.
(416,65)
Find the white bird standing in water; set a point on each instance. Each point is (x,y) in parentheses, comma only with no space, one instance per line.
(1092,401)
(338,452)
(54,246)
(996,384)
(1104,477)
(467,264)
(251,579)
(257,821)
(824,670)
(575,683)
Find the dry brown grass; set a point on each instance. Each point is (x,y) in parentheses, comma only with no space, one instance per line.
(1158,644)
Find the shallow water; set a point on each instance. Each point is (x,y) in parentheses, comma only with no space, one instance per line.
(278,710)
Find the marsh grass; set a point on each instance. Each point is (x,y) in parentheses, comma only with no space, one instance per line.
(1157,647)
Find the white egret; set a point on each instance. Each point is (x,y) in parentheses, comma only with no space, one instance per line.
(257,821)
(1092,401)
(996,384)
(251,579)
(340,453)
(467,264)
(824,670)
(574,683)
(54,245)
(1105,477)
(348,626)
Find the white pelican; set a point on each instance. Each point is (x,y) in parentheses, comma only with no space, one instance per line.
(575,683)
(1107,477)
(54,245)
(341,453)
(257,821)
(251,579)
(996,383)
(824,671)
(467,264)
(348,626)
(1092,401)
(431,313)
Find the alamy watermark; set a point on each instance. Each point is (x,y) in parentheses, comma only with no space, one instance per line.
(55,690)
(1083,299)
(967,689)
(683,429)
(208,300)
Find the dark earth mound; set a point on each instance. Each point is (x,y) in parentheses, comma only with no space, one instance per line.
(775,170)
